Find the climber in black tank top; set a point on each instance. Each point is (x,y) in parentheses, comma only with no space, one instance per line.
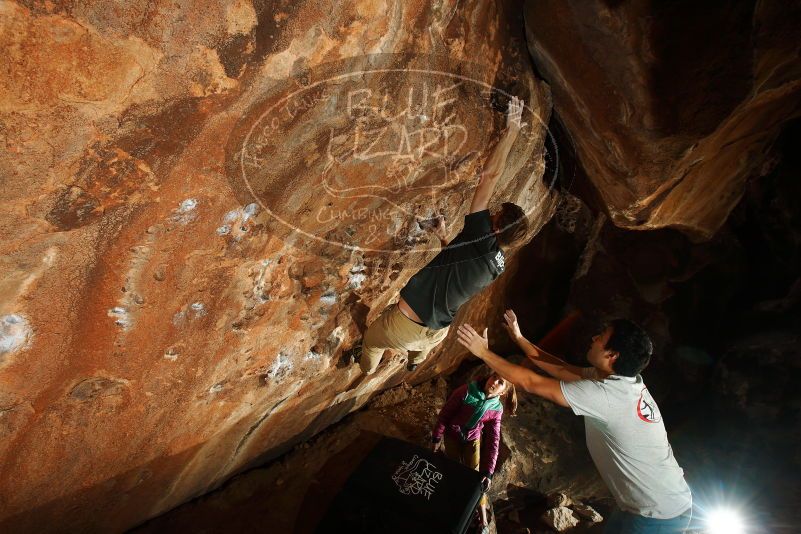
(475,257)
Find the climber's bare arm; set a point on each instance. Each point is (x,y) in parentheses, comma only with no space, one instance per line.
(554,366)
(542,386)
(497,160)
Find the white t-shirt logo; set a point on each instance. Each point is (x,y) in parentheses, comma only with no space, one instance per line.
(417,477)
(500,261)
(647,410)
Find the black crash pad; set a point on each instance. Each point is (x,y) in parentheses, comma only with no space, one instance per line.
(401,487)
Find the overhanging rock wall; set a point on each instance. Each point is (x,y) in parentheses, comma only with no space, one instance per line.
(672,106)
(202,204)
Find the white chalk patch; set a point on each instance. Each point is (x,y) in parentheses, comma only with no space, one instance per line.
(187,205)
(280,367)
(171,354)
(250,210)
(216,388)
(312,356)
(395,225)
(259,283)
(191,312)
(355,280)
(416,232)
(186,211)
(329,298)
(121,317)
(336,336)
(357,276)
(282,362)
(179,318)
(231,216)
(236,221)
(15,333)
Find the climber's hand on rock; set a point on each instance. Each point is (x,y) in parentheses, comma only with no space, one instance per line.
(476,343)
(436,446)
(514,114)
(440,230)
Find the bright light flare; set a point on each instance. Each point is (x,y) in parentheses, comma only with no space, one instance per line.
(724,521)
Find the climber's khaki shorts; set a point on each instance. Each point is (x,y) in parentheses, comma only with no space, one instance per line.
(393,330)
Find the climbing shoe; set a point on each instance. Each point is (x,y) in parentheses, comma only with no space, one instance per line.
(352,355)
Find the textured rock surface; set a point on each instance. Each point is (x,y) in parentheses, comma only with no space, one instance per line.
(163,323)
(286,494)
(725,318)
(671,106)
(588,512)
(560,519)
(533,454)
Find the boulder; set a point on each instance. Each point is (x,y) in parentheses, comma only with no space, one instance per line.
(587,512)
(668,123)
(560,518)
(203,205)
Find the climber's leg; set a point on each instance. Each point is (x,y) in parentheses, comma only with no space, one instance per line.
(374,344)
(432,339)
(391,330)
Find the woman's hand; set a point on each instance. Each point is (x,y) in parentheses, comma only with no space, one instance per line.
(436,446)
(511,325)
(472,341)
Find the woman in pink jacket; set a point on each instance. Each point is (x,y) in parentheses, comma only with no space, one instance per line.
(470,422)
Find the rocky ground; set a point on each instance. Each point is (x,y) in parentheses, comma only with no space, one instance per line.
(544,472)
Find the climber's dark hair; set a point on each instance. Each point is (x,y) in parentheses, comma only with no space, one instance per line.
(632,344)
(512,224)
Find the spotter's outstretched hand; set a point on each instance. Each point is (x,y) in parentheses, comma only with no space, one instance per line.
(476,343)
(511,325)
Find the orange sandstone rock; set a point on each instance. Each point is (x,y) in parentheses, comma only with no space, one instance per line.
(203,205)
